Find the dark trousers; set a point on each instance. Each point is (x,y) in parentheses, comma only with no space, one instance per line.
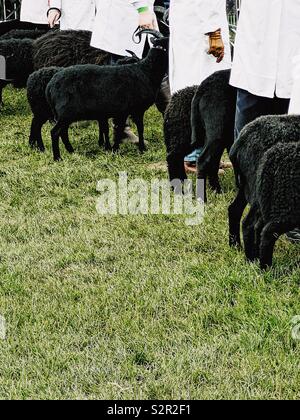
(249,107)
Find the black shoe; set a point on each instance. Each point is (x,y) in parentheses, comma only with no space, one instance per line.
(294,236)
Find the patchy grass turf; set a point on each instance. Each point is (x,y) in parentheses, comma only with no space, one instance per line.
(130,307)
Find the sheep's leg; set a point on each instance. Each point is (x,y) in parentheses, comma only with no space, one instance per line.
(65,139)
(206,166)
(235,213)
(258,230)
(202,174)
(139,121)
(269,236)
(213,173)
(101,134)
(118,133)
(35,138)
(176,167)
(104,135)
(55,134)
(249,233)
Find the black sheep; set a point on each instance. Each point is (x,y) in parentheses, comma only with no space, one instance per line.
(201,117)
(65,49)
(12,25)
(42,112)
(178,131)
(54,49)
(277,197)
(19,65)
(23,34)
(255,140)
(90,92)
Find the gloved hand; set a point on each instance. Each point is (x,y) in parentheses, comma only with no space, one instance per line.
(216,45)
(146,20)
(53,17)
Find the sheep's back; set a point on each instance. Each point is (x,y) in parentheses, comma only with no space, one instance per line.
(66,48)
(23,34)
(216,101)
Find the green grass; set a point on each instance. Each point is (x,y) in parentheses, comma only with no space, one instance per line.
(130,307)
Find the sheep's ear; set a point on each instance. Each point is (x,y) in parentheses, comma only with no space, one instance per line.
(133,55)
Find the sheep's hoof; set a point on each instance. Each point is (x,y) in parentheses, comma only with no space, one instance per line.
(142,149)
(70,150)
(57,159)
(34,146)
(265,266)
(115,149)
(107,148)
(234,243)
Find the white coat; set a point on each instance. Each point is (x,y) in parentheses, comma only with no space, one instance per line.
(295,99)
(34,11)
(268,38)
(76,14)
(116,22)
(190,21)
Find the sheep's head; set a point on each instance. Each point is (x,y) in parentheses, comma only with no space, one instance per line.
(128,60)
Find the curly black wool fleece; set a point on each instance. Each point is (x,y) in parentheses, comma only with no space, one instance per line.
(277,197)
(246,154)
(201,117)
(65,49)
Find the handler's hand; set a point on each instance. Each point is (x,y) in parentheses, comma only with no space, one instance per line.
(146,20)
(216,45)
(53,17)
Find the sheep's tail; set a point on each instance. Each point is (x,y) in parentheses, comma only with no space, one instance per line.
(234,160)
(50,102)
(196,123)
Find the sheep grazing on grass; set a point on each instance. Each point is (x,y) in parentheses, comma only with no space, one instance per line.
(201,117)
(277,198)
(19,65)
(42,112)
(65,49)
(90,92)
(246,154)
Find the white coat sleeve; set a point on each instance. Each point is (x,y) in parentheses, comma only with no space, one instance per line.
(138,4)
(211,14)
(55,4)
